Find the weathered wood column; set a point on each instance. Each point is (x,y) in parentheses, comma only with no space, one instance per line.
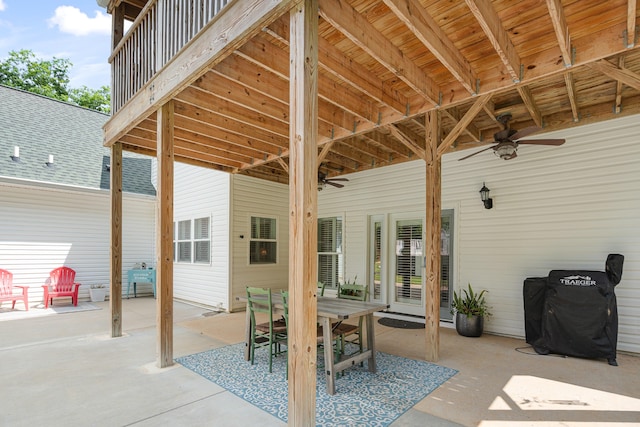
(115,268)
(164,236)
(432,243)
(303,132)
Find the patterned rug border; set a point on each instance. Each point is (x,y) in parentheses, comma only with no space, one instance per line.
(362,397)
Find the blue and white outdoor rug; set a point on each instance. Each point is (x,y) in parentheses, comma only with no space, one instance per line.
(362,398)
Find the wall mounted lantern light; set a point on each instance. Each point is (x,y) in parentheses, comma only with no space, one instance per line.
(484,196)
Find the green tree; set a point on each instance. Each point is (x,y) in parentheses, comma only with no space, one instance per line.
(23,70)
(95,99)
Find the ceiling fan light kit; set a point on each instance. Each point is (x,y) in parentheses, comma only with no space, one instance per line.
(507,140)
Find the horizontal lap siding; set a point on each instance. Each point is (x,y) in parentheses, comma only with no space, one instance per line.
(41,229)
(255,197)
(203,193)
(561,207)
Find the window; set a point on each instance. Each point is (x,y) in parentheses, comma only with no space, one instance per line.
(193,247)
(330,257)
(184,241)
(264,243)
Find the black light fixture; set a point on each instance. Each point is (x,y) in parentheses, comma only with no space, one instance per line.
(484,196)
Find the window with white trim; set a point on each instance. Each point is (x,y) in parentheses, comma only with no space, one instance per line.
(263,244)
(330,256)
(192,241)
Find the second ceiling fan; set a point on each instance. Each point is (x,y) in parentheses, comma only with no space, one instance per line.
(507,140)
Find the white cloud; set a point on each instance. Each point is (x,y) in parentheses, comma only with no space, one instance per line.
(3,6)
(71,20)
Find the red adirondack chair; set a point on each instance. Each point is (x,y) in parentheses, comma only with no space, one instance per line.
(61,284)
(7,293)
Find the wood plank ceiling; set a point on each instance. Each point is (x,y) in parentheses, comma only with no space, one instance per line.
(384,63)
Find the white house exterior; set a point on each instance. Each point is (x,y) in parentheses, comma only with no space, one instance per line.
(58,213)
(561,207)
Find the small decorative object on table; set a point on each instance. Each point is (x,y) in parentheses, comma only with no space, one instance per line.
(97,293)
(470,311)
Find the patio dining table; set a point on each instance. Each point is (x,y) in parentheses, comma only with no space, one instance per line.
(332,310)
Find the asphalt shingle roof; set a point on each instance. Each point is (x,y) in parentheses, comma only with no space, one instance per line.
(42,126)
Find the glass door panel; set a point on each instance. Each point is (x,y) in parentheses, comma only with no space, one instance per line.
(407,284)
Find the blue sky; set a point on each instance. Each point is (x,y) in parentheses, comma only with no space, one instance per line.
(78,30)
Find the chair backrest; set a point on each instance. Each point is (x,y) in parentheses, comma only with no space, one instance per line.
(352,291)
(6,283)
(259,301)
(321,289)
(285,303)
(62,279)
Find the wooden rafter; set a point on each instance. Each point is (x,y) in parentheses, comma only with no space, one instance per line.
(353,26)
(618,105)
(471,130)
(530,103)
(492,26)
(623,75)
(571,92)
(556,12)
(407,141)
(462,124)
(632,31)
(425,28)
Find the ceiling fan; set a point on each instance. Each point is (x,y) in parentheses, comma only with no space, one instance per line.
(507,140)
(323,181)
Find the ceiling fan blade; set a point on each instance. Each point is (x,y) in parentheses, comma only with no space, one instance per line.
(513,156)
(337,179)
(525,132)
(335,184)
(477,152)
(543,141)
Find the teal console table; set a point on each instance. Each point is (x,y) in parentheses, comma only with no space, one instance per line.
(136,276)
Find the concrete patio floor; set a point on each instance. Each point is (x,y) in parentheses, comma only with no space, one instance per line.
(65,370)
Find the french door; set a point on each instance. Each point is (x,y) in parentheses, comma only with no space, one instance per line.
(397,264)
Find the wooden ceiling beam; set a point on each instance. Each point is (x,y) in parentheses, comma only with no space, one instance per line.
(491,24)
(235,133)
(425,28)
(530,103)
(623,75)
(382,137)
(262,52)
(556,12)
(573,96)
(632,31)
(407,141)
(477,106)
(454,115)
(333,61)
(618,104)
(355,27)
(233,111)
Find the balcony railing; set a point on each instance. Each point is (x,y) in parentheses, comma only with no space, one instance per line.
(162,29)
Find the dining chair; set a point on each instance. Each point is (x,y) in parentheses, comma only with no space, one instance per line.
(321,289)
(351,333)
(266,334)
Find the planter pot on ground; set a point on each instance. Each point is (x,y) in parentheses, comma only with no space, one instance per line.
(469,326)
(97,294)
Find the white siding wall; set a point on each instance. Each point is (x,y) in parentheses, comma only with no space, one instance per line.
(554,208)
(45,228)
(255,197)
(198,193)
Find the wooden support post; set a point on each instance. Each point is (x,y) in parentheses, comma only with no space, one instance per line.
(432,244)
(115,268)
(164,236)
(115,291)
(303,131)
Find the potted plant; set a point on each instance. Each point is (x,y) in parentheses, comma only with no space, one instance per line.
(470,309)
(97,293)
